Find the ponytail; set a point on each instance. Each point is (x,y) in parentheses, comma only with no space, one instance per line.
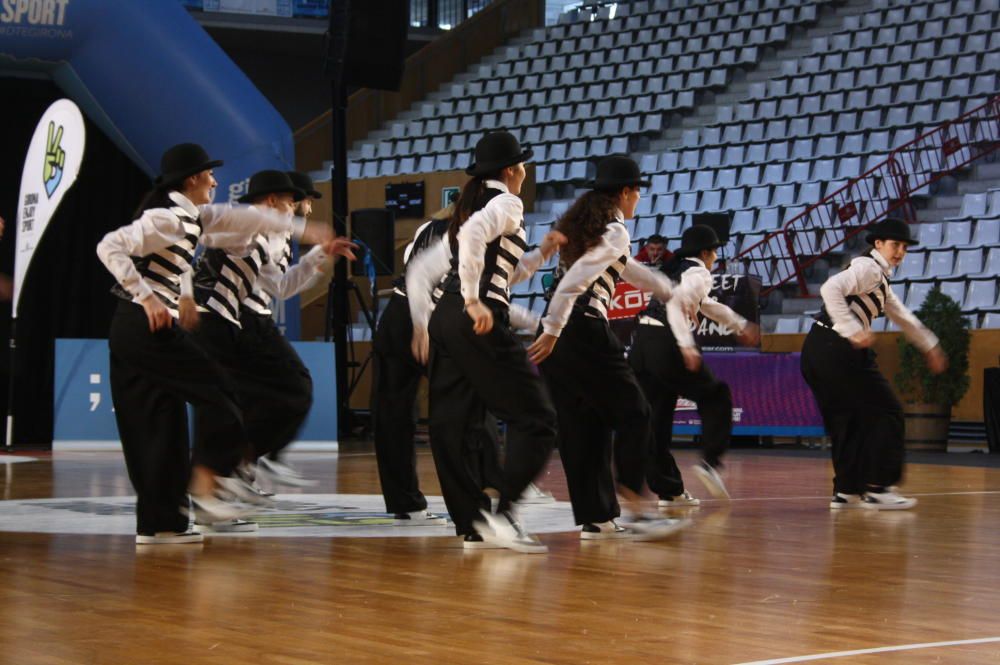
(465,206)
(158,197)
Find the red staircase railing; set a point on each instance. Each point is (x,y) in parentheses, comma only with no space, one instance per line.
(889,187)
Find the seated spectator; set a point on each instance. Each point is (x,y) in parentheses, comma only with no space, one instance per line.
(654,252)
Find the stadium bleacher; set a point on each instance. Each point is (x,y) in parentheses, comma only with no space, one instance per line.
(832,89)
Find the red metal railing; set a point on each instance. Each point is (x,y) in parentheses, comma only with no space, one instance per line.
(889,187)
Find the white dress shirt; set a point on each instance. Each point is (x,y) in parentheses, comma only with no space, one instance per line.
(501,216)
(224,226)
(297,277)
(862,277)
(691,295)
(614,244)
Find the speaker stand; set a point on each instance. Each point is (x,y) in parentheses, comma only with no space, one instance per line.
(337,311)
(351,370)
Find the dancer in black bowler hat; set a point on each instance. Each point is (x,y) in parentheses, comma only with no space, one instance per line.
(476,364)
(603,414)
(668,363)
(156,366)
(861,412)
(273,386)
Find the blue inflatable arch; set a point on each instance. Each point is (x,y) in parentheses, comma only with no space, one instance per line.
(150,77)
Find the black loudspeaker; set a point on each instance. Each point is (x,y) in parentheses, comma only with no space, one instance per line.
(374,229)
(719,221)
(366,42)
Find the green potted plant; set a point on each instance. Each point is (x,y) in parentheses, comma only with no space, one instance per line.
(928,398)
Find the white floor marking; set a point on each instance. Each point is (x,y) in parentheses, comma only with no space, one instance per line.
(293,515)
(14,459)
(861,652)
(813,497)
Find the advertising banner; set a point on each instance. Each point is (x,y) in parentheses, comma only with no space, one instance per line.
(770,397)
(50,169)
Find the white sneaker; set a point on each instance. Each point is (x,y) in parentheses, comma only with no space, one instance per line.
(841,501)
(281,474)
(683,500)
(504,530)
(605,531)
(653,527)
(888,500)
(169,538)
(236,488)
(211,509)
(248,472)
(709,475)
(533,494)
(229,526)
(419,518)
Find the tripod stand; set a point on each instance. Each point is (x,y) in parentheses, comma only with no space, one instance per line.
(357,368)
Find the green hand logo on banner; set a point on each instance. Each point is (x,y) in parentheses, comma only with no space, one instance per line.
(55,159)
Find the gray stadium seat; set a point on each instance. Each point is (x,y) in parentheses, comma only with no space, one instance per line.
(912,266)
(787,326)
(974,205)
(981,295)
(929,234)
(940,263)
(957,233)
(916,294)
(954,290)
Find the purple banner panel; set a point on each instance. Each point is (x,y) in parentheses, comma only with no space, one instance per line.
(770,397)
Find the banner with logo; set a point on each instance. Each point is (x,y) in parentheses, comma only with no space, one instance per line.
(741,294)
(50,169)
(738,292)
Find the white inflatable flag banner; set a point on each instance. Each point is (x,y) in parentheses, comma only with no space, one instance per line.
(50,169)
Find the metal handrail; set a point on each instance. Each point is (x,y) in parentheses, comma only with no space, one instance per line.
(888,187)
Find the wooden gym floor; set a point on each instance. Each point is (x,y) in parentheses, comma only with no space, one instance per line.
(773,576)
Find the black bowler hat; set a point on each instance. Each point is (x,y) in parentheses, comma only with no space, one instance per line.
(305,183)
(697,238)
(181,161)
(271,182)
(890,228)
(615,172)
(495,151)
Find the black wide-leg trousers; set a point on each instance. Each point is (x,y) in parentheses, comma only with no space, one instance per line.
(397,379)
(604,417)
(273,386)
(862,414)
(659,365)
(471,375)
(153,377)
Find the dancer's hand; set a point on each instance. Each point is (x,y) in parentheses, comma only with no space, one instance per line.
(157,313)
(552,241)
(482,317)
(750,335)
(862,340)
(188,313)
(692,358)
(937,361)
(420,345)
(340,247)
(542,348)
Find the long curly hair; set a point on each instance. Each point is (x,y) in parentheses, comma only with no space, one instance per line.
(584,223)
